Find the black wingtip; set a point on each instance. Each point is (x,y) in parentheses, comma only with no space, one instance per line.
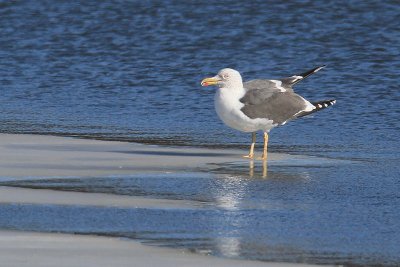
(297,78)
(318,106)
(314,70)
(324,104)
(320,68)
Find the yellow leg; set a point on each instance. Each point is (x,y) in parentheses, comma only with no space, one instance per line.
(253,142)
(265,150)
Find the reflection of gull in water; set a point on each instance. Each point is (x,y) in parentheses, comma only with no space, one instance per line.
(264,169)
(230,192)
(234,191)
(255,170)
(229,246)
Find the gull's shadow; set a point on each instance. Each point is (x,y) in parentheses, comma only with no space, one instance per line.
(259,169)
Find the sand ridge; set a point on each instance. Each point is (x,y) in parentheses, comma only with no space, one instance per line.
(36,157)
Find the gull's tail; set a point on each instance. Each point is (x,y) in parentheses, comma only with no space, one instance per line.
(292,80)
(318,106)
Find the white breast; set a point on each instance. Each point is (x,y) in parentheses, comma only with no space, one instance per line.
(227,106)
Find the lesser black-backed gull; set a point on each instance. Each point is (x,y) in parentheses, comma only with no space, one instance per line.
(260,104)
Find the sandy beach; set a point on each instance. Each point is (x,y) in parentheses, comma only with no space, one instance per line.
(37,157)
(19,249)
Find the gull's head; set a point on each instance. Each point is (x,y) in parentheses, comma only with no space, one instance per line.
(228,78)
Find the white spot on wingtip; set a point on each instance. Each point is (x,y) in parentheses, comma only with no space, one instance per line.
(319,106)
(326,105)
(296,78)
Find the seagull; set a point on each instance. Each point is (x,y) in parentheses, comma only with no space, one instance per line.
(260,105)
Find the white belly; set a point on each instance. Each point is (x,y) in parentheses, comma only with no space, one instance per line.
(227,106)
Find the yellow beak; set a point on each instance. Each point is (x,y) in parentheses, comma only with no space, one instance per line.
(209,81)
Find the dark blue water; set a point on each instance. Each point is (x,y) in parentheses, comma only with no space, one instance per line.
(131,70)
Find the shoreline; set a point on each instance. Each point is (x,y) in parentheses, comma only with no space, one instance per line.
(20,249)
(49,157)
(42,156)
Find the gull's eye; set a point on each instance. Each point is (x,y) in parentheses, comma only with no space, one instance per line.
(225,76)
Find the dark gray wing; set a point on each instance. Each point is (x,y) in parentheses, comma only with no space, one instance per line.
(268,85)
(275,99)
(272,105)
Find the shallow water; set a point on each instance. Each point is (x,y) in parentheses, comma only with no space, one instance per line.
(130,70)
(327,214)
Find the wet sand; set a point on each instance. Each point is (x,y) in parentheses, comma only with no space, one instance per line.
(20,249)
(31,156)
